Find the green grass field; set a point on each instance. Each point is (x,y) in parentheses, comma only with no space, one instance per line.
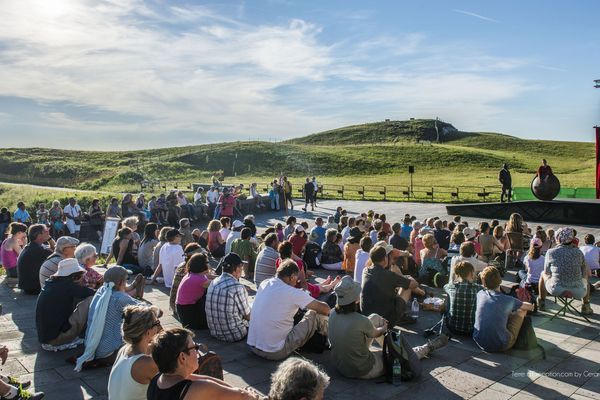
(368,154)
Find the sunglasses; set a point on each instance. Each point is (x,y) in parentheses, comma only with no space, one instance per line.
(196,347)
(155,324)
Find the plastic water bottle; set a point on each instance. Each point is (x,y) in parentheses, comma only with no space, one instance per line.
(414,308)
(396,373)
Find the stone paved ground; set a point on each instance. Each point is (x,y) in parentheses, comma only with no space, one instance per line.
(461,370)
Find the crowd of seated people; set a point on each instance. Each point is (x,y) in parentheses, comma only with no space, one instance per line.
(380,267)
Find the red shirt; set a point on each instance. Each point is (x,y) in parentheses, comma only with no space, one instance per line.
(227,204)
(298,243)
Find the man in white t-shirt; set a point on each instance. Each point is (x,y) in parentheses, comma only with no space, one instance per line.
(591,252)
(170,256)
(272,334)
(235,233)
(72,212)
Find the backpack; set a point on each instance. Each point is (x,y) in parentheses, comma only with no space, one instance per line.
(210,364)
(527,340)
(526,294)
(395,347)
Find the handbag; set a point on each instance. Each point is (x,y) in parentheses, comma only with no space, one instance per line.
(209,363)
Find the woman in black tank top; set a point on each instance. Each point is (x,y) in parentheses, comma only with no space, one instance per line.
(127,258)
(176,356)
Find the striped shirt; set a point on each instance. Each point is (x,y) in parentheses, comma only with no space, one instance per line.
(265,265)
(49,267)
(226,305)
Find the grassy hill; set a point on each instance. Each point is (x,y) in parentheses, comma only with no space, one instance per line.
(375,153)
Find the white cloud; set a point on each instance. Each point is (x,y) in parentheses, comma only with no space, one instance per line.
(190,69)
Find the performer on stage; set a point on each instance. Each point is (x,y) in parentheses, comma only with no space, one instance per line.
(506,180)
(544,171)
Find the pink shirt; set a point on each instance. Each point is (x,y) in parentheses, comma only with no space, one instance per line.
(91,278)
(191,289)
(8,257)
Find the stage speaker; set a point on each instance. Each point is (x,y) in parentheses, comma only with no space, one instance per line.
(411,169)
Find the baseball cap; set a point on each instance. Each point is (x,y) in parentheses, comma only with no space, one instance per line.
(66,241)
(237,224)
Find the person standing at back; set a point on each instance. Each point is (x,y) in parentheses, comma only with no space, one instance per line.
(506,180)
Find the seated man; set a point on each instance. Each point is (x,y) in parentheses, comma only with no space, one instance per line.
(266,260)
(32,257)
(462,299)
(298,379)
(272,334)
(351,335)
(565,270)
(498,317)
(65,248)
(468,254)
(58,321)
(243,247)
(227,305)
(386,292)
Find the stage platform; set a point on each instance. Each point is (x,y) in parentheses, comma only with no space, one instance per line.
(573,211)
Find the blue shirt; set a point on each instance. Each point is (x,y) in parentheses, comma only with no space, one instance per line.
(320,231)
(405,231)
(491,319)
(21,215)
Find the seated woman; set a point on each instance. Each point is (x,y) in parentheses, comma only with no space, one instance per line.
(86,256)
(350,249)
(467,253)
(191,297)
(147,245)
(351,335)
(297,378)
(534,264)
(498,317)
(12,246)
(134,367)
(57,220)
(286,252)
(462,299)
(103,336)
(180,272)
(331,255)
(122,251)
(431,258)
(488,243)
(565,271)
(176,355)
(216,244)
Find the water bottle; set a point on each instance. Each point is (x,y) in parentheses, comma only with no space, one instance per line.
(414,308)
(396,373)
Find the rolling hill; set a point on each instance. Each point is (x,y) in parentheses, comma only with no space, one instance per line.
(377,153)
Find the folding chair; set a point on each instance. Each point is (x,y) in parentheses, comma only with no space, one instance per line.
(564,302)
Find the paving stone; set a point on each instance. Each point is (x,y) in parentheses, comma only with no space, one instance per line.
(490,394)
(549,388)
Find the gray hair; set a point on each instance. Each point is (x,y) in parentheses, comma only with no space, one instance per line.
(297,379)
(129,222)
(83,252)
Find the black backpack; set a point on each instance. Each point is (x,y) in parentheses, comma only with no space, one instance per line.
(395,347)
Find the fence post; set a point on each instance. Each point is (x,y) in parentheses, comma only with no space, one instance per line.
(432,194)
(342,192)
(363,192)
(384,193)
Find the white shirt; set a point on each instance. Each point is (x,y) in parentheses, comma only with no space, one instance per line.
(72,211)
(232,236)
(121,385)
(170,256)
(478,265)
(591,254)
(197,196)
(225,233)
(373,236)
(212,196)
(361,260)
(345,234)
(273,312)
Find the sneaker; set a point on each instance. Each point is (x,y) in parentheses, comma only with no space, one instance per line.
(16,382)
(586,309)
(25,395)
(541,304)
(437,343)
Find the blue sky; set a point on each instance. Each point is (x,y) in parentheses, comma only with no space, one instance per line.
(128,74)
